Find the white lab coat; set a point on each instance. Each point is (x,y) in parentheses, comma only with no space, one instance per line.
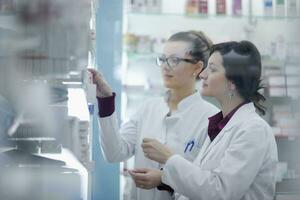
(187,123)
(240,163)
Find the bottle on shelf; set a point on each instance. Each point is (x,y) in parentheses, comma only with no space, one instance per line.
(280,8)
(268,8)
(237,7)
(191,6)
(221,7)
(291,9)
(203,7)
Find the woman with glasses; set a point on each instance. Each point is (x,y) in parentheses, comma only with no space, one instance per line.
(238,159)
(177,120)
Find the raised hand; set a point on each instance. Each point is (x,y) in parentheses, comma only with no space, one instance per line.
(103,89)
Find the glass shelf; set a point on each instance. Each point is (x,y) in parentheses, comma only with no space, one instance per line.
(287,137)
(272,62)
(205,16)
(8,14)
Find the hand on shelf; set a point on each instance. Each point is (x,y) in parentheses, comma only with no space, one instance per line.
(103,89)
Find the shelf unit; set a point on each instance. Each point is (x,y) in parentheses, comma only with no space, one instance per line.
(44,46)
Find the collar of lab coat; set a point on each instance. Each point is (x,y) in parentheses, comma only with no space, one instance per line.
(187,101)
(243,113)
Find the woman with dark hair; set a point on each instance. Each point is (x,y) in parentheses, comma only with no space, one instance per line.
(178,119)
(238,159)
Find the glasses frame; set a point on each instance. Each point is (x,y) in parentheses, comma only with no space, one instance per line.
(161,60)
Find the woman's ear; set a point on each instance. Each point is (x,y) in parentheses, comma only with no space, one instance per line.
(199,67)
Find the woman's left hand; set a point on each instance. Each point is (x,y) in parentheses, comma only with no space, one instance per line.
(146,178)
(156,151)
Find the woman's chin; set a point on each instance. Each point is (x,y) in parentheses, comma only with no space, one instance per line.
(205,93)
(168,85)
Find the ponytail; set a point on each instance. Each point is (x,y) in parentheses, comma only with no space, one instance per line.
(258,100)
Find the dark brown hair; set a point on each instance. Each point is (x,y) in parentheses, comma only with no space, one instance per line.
(242,63)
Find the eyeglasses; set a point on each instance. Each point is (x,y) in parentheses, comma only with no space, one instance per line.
(172,62)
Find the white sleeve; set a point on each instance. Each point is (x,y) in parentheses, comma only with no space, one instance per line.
(118,143)
(230,180)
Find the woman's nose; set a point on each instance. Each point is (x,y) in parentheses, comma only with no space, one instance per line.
(203,74)
(165,66)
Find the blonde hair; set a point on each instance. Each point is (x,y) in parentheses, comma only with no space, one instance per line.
(200,44)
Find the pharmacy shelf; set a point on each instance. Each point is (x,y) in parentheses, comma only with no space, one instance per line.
(222,16)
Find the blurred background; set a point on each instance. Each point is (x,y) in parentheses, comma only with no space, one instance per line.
(49,137)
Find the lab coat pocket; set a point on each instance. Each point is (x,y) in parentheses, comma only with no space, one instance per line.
(190,153)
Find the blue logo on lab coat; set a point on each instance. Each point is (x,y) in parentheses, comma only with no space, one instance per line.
(189,146)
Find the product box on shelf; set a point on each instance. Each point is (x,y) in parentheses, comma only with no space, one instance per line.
(154,6)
